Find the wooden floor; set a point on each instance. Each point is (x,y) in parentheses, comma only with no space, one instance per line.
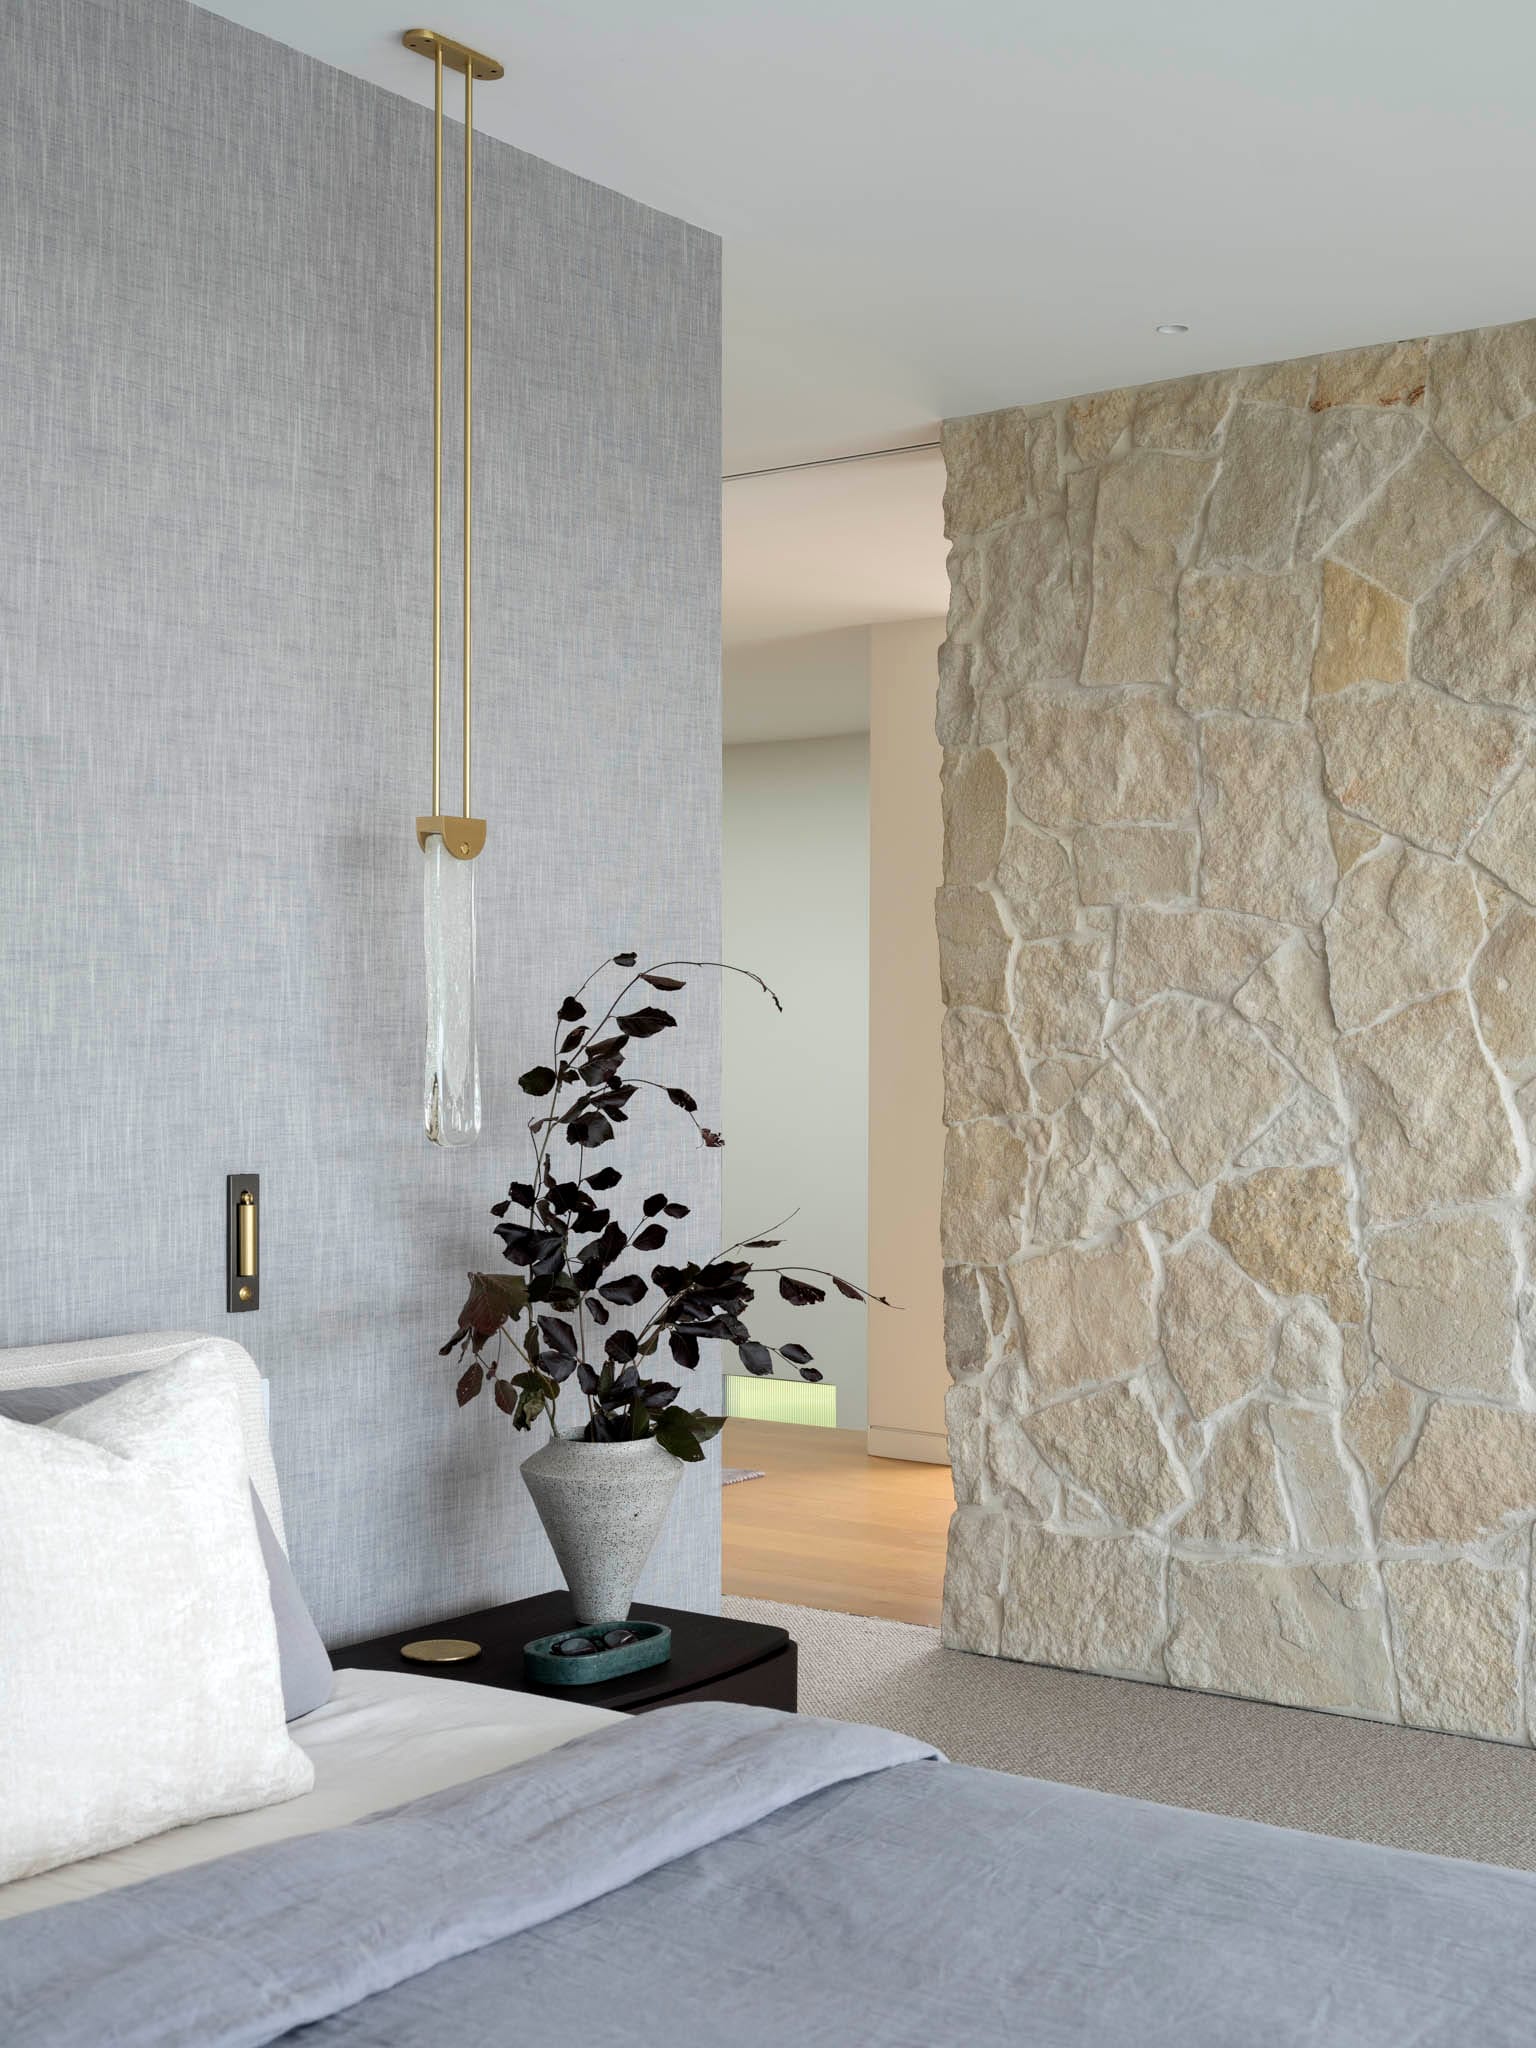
(831,1526)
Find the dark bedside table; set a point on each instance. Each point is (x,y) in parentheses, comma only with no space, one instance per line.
(712,1659)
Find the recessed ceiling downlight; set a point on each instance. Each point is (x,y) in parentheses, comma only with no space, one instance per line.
(1173,327)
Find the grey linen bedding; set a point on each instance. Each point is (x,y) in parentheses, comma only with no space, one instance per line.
(726,1875)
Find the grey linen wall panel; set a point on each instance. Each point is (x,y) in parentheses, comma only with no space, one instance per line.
(214,450)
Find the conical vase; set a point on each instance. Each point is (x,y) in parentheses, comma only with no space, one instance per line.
(602,1506)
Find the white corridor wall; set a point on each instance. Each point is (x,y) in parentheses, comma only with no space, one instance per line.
(796,1085)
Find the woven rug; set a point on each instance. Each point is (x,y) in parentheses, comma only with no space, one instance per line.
(1446,1794)
(733,1475)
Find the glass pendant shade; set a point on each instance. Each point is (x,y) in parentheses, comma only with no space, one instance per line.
(451,1096)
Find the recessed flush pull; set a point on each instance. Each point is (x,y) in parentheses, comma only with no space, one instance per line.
(243,1242)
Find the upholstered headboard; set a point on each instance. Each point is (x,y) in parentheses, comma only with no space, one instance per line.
(57,1365)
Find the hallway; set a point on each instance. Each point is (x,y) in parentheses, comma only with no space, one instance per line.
(832,1527)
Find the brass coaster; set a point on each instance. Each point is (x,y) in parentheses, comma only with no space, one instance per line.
(440,1650)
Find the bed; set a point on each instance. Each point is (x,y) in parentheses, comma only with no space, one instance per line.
(488,1868)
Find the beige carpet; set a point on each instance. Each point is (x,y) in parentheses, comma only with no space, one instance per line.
(1442,1793)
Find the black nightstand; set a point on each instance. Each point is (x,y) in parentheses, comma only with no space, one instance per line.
(712,1659)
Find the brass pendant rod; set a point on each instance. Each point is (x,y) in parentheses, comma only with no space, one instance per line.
(464,836)
(469,323)
(437,441)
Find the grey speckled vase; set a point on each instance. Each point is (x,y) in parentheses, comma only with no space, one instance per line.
(602,1506)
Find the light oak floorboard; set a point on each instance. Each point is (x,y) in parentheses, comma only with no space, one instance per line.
(831,1526)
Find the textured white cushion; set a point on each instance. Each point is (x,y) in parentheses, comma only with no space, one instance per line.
(139,1680)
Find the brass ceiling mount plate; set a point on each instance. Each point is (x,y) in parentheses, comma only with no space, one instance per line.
(463,837)
(440,1650)
(426,42)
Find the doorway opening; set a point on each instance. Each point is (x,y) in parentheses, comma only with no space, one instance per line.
(833,1110)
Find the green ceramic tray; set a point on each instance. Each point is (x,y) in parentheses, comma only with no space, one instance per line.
(652,1645)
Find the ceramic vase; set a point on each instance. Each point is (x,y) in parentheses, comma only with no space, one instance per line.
(602,1506)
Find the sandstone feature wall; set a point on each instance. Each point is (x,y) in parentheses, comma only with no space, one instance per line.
(1238,937)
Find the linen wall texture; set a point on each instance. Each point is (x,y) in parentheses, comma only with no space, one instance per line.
(1239,954)
(215,447)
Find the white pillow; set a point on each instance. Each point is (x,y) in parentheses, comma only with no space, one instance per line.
(139,1676)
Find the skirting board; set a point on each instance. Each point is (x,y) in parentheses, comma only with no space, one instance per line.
(917,1446)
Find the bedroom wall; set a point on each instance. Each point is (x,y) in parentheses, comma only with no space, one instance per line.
(1239,952)
(214,458)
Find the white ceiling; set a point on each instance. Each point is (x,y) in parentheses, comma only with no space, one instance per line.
(929,210)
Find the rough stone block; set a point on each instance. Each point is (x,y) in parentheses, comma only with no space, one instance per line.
(1289,1227)
(974,793)
(974,1316)
(1306,1131)
(1263,820)
(982,1072)
(1209,1079)
(1091,761)
(1029,631)
(1405,924)
(1457,1628)
(1393,374)
(1427,513)
(1109,1162)
(1085,1316)
(997,466)
(1326,1499)
(1380,1425)
(1202,952)
(1034,878)
(1471,1467)
(973,949)
(1239,1501)
(1506,840)
(1096,423)
(1187,414)
(1086,1603)
(1363,637)
(986,1194)
(1476,633)
(1059,995)
(1215,1326)
(1411,761)
(1256,501)
(1304,1635)
(1135,864)
(1353,453)
(1504,993)
(1147,508)
(1430,1123)
(1108,1445)
(1287,998)
(1245,642)
(1482,381)
(1443,1304)
(974,1572)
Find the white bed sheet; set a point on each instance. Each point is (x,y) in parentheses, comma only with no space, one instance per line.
(383,1738)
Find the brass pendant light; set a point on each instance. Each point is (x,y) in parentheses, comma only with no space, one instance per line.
(449,844)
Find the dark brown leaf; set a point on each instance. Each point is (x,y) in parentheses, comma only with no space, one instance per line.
(800,1293)
(470,1384)
(647,1022)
